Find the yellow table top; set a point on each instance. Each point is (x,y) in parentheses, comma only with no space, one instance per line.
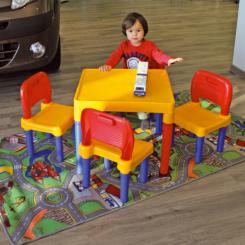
(114,91)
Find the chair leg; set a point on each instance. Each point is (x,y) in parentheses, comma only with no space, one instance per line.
(159,117)
(107,164)
(73,132)
(49,136)
(221,139)
(152,119)
(144,171)
(199,146)
(124,184)
(86,172)
(120,114)
(29,142)
(59,149)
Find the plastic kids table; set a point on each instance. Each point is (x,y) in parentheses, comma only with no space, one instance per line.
(114,91)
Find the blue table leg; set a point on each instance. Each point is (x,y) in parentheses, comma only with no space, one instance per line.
(159,117)
(78,139)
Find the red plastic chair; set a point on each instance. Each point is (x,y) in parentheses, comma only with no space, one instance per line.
(200,121)
(52,119)
(112,137)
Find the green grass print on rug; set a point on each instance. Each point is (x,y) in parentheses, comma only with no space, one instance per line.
(33,207)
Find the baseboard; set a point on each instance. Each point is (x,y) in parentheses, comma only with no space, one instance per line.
(237,71)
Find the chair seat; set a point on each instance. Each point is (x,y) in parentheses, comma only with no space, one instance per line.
(53,118)
(192,117)
(142,149)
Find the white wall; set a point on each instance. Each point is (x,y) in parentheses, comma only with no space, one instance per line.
(239,49)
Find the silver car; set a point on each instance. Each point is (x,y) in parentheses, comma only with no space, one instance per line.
(29,35)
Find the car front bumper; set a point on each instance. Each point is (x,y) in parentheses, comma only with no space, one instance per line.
(17,36)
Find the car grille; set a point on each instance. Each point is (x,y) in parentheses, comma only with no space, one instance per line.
(7,52)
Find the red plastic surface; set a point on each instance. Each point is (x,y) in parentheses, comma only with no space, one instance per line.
(167,136)
(109,129)
(213,87)
(33,90)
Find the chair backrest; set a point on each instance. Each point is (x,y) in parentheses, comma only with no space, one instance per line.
(34,89)
(213,87)
(109,129)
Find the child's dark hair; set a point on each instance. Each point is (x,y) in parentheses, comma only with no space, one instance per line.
(130,20)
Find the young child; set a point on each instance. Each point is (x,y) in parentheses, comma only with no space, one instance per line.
(136,48)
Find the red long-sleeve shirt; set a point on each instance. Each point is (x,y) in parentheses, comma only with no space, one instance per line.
(147,51)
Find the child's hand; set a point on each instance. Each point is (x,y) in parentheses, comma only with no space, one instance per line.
(173,61)
(105,68)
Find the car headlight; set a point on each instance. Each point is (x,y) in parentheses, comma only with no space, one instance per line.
(37,50)
(19,3)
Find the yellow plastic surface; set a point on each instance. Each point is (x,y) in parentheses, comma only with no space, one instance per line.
(53,118)
(194,118)
(114,91)
(142,149)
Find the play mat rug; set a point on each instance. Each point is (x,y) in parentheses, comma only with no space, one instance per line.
(39,197)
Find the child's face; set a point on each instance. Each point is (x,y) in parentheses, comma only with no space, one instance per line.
(135,33)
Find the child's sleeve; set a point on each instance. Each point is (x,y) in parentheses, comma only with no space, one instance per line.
(159,56)
(115,56)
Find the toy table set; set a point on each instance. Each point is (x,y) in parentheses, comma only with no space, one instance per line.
(113,91)
(78,162)
(124,90)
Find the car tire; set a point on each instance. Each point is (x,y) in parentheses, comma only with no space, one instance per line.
(54,65)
